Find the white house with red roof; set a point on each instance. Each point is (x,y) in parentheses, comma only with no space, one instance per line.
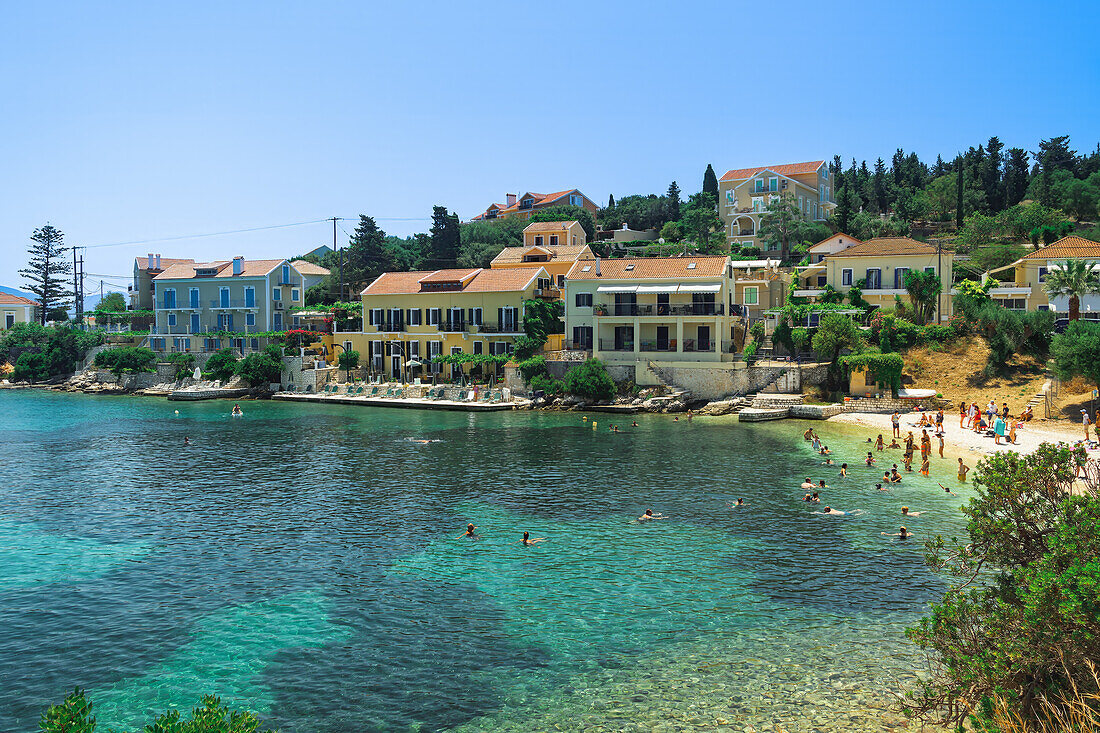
(530,202)
(744,195)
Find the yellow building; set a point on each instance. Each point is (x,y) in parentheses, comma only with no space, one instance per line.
(882,264)
(1026,291)
(553,245)
(15,309)
(631,311)
(744,195)
(416,316)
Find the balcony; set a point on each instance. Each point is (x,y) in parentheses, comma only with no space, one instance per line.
(551,293)
(666,345)
(389,327)
(631,309)
(508,327)
(613,345)
(452,327)
(697,346)
(223,304)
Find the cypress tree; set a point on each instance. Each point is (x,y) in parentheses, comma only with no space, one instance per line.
(45,269)
(710,183)
(672,202)
(959,196)
(611,201)
(446,237)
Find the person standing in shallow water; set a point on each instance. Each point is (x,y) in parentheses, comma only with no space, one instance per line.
(895,420)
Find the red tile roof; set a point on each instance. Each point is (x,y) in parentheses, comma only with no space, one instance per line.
(165,262)
(1066,248)
(644,268)
(251,268)
(541,199)
(9,299)
(887,247)
(784,169)
(483,281)
(308,268)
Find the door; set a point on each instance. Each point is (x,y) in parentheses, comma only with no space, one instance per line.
(228,321)
(624,338)
(662,305)
(702,342)
(624,303)
(874,279)
(278,321)
(662,336)
(194,323)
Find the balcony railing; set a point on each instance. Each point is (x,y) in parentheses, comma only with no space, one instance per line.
(452,326)
(576,345)
(652,345)
(239,303)
(507,327)
(696,345)
(690,309)
(613,345)
(389,327)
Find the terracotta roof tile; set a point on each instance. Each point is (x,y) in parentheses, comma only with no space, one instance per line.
(251,268)
(483,281)
(646,268)
(541,199)
(165,262)
(549,226)
(566,252)
(1066,248)
(9,299)
(308,268)
(450,276)
(785,169)
(887,247)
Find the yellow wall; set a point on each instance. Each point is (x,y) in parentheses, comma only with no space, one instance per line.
(884,297)
(19,314)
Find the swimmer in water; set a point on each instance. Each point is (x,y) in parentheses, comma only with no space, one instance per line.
(740,502)
(879,487)
(237,409)
(905,511)
(828,462)
(470,532)
(815,498)
(650,515)
(807,484)
(895,477)
(843,469)
(830,510)
(807,497)
(528,540)
(949,491)
(903,534)
(870,459)
(186,440)
(821,484)
(634,424)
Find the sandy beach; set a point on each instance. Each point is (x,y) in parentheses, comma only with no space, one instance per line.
(963,442)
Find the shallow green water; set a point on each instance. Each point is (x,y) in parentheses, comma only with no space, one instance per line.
(305,562)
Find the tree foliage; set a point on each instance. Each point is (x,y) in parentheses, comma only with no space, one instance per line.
(60,348)
(589,380)
(1076,352)
(784,225)
(126,359)
(74,715)
(1073,278)
(258,368)
(348,360)
(835,332)
(222,364)
(46,269)
(1021,620)
(924,290)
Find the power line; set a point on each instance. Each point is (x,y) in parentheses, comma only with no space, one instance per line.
(200,236)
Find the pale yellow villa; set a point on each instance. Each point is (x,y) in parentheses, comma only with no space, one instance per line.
(879,267)
(744,195)
(553,245)
(409,318)
(15,309)
(1026,292)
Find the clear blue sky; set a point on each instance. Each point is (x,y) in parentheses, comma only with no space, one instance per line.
(132,121)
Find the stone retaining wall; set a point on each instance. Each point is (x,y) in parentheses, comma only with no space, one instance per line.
(887,405)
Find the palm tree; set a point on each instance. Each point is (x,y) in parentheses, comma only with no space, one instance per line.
(1073,278)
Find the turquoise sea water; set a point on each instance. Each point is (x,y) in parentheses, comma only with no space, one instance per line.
(305,562)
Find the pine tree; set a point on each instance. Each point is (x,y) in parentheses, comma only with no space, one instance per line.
(879,186)
(991,175)
(611,201)
(367,255)
(672,202)
(1016,176)
(45,269)
(710,183)
(446,237)
(940,168)
(836,169)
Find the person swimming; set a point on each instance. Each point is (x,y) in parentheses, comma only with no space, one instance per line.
(807,497)
(903,534)
(528,540)
(237,409)
(186,440)
(880,488)
(634,424)
(949,491)
(895,477)
(807,484)
(821,484)
(905,511)
(740,502)
(470,532)
(828,462)
(650,515)
(843,469)
(870,459)
(830,510)
(815,498)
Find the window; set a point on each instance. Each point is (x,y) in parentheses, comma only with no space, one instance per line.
(223,297)
(171,319)
(250,319)
(276,294)
(1014,304)
(250,297)
(773,184)
(930,269)
(479,347)
(286,276)
(760,184)
(561,281)
(414,317)
(1043,307)
(553,240)
(899,277)
(575,200)
(374,317)
(815,210)
(195,326)
(1042,274)
(757,203)
(582,337)
(170,298)
(543,283)
(254,344)
(433,316)
(295,321)
(193,297)
(538,240)
(822,280)
(752,296)
(294,294)
(584,300)
(874,279)
(846,277)
(475,317)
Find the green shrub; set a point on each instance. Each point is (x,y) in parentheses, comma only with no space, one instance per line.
(61,346)
(801,338)
(30,367)
(590,380)
(758,332)
(526,346)
(258,368)
(126,359)
(221,365)
(74,715)
(275,351)
(185,364)
(783,335)
(349,360)
(532,367)
(936,334)
(552,387)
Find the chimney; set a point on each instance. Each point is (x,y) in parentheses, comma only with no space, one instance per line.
(598,273)
(238,265)
(150,264)
(509,199)
(158,262)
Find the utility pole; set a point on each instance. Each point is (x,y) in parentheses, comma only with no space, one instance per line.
(76,290)
(340,254)
(80,286)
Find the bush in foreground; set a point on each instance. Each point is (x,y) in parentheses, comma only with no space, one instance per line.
(126,360)
(221,365)
(259,368)
(1020,626)
(184,363)
(590,380)
(74,715)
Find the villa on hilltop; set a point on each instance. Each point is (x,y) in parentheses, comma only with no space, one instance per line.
(527,204)
(744,195)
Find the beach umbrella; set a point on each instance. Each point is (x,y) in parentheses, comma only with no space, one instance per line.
(413,363)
